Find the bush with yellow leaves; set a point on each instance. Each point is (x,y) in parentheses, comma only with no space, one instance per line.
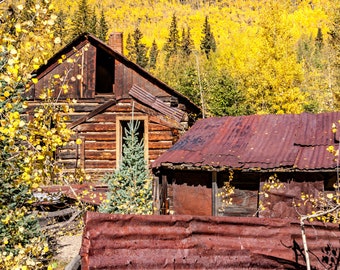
(27,147)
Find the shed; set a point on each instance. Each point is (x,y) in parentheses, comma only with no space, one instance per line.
(109,91)
(291,147)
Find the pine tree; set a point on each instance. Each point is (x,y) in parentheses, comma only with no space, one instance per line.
(103,27)
(187,43)
(141,49)
(172,44)
(208,42)
(81,19)
(137,51)
(129,186)
(129,47)
(153,55)
(92,28)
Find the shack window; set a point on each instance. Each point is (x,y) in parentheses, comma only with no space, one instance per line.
(122,125)
(104,73)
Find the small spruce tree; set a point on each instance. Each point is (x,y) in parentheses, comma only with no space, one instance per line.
(137,51)
(92,27)
(129,186)
(153,55)
(208,42)
(103,28)
(172,44)
(187,44)
(81,21)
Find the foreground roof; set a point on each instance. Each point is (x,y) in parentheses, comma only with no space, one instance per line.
(197,242)
(256,142)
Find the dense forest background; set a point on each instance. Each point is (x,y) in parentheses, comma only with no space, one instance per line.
(231,57)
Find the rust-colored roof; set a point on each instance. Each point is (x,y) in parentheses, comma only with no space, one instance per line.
(197,242)
(267,142)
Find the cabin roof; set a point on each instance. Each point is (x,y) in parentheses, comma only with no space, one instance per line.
(257,143)
(87,37)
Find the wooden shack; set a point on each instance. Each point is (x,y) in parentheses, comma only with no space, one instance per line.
(254,148)
(108,90)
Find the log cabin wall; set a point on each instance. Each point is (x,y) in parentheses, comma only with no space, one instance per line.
(109,90)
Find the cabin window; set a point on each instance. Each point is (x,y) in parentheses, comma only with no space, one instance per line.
(121,125)
(245,196)
(104,73)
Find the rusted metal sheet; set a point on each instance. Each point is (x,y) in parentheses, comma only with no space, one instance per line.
(193,200)
(196,242)
(256,142)
(280,202)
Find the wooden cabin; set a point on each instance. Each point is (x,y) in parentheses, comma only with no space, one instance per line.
(292,148)
(109,91)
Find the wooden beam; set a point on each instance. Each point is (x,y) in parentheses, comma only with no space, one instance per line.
(214,191)
(99,109)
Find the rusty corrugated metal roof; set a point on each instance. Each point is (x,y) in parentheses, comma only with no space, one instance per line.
(197,242)
(268,142)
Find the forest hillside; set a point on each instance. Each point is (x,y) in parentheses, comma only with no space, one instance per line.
(231,57)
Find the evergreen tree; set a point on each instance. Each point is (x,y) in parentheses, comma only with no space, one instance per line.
(208,42)
(187,43)
(81,20)
(334,80)
(103,27)
(129,186)
(60,26)
(93,22)
(153,55)
(137,51)
(129,47)
(141,49)
(172,44)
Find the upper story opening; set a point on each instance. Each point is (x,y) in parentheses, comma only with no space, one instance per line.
(105,73)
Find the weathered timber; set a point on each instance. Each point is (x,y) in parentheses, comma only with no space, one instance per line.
(100,145)
(103,155)
(100,136)
(160,144)
(160,136)
(96,127)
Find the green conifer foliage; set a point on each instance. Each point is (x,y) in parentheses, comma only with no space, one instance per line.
(172,44)
(129,47)
(103,27)
(187,44)
(130,185)
(93,22)
(153,55)
(137,51)
(208,42)
(81,20)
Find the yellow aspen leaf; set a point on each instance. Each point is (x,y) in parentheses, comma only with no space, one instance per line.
(329,195)
(34,80)
(79,141)
(57,40)
(13,51)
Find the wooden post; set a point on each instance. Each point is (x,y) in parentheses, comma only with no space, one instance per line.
(214,191)
(164,204)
